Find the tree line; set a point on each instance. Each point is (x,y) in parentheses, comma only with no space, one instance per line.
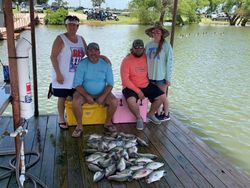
(148,11)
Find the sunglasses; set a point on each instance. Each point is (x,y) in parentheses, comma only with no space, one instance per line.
(156,32)
(138,47)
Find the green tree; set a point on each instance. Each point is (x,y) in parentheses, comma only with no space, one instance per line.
(97,3)
(238,11)
(147,11)
(55,18)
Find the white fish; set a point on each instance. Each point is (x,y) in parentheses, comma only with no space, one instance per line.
(98,176)
(141,173)
(155,176)
(154,165)
(143,160)
(120,177)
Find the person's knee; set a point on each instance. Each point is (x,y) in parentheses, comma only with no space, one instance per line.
(77,100)
(114,102)
(160,98)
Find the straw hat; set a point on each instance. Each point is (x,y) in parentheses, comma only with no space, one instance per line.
(157,25)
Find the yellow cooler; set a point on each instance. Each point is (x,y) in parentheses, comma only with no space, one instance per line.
(93,114)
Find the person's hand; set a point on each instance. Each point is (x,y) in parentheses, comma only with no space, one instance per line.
(141,95)
(100,100)
(90,99)
(168,83)
(59,78)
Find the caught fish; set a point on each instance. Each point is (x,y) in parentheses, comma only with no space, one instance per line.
(93,157)
(141,142)
(143,160)
(141,173)
(121,164)
(98,176)
(110,170)
(94,168)
(125,171)
(155,176)
(135,168)
(154,165)
(120,177)
(147,155)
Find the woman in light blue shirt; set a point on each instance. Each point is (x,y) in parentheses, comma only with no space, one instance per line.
(160,61)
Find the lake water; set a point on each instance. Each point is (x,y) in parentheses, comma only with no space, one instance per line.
(210,85)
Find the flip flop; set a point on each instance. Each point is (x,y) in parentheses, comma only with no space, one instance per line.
(110,128)
(63,125)
(77,132)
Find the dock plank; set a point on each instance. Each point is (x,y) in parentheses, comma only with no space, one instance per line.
(189,162)
(210,158)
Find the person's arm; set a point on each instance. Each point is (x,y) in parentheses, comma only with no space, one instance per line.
(126,82)
(84,44)
(82,92)
(56,49)
(105,93)
(106,59)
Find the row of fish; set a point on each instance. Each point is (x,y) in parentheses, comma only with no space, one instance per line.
(116,157)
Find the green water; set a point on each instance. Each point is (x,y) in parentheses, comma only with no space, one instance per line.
(210,87)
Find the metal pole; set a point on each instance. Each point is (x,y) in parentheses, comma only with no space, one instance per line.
(13,71)
(33,43)
(173,22)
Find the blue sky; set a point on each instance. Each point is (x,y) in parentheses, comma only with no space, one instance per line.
(119,4)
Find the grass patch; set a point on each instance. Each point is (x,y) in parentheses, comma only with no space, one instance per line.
(208,21)
(122,20)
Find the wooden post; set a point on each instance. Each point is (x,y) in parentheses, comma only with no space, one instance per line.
(173,22)
(33,43)
(13,70)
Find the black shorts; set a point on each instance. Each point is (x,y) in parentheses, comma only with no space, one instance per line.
(151,92)
(64,93)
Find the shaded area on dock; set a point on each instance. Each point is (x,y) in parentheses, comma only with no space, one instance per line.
(189,162)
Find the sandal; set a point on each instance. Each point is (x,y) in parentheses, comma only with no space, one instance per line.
(77,132)
(63,125)
(110,128)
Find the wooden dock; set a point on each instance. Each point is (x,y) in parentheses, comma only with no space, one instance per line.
(189,162)
(21,22)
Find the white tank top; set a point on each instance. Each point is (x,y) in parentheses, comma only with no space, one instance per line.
(68,59)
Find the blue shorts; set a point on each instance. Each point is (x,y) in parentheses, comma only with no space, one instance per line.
(151,92)
(64,93)
(159,82)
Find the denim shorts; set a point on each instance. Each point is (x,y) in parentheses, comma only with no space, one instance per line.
(159,82)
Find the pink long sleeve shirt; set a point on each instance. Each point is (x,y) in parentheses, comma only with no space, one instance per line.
(134,72)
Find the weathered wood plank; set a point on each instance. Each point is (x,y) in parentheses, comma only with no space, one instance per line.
(37,131)
(164,137)
(48,159)
(211,178)
(61,162)
(188,161)
(74,168)
(174,165)
(210,157)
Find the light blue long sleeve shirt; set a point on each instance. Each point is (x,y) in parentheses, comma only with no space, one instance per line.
(159,67)
(93,77)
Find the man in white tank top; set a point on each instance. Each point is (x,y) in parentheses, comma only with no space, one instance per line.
(67,51)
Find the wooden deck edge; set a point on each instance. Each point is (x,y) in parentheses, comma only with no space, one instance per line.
(210,151)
